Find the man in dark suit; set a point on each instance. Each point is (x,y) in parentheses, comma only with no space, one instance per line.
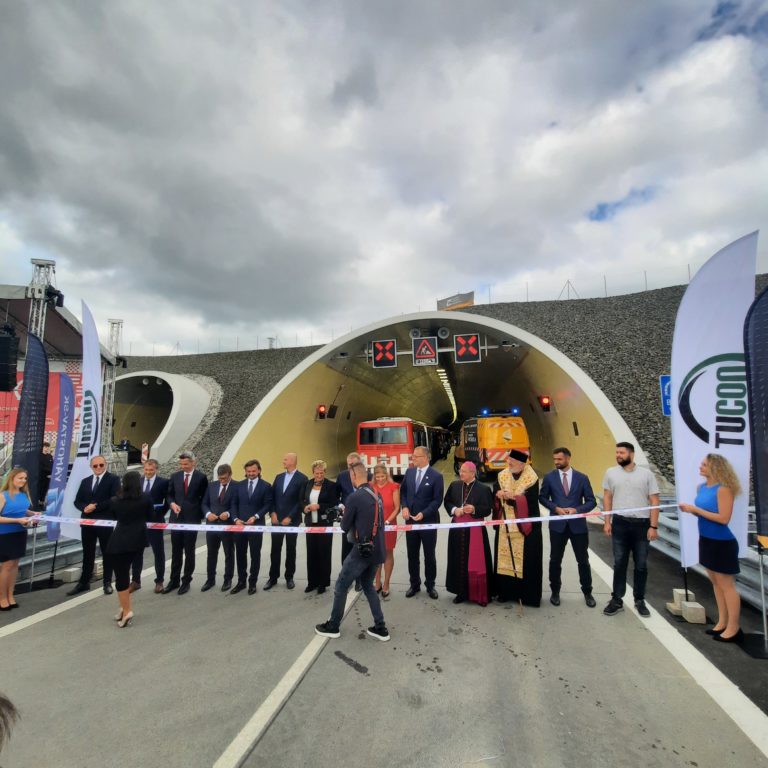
(157,489)
(253,504)
(287,493)
(92,500)
(421,495)
(186,491)
(565,491)
(219,505)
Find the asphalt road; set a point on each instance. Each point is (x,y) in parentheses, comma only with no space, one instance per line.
(197,678)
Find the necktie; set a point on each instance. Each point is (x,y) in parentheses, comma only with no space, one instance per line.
(418,479)
(186,484)
(96,483)
(146,486)
(222,492)
(566,489)
(250,488)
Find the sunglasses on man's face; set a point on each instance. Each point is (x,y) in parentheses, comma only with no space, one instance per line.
(98,466)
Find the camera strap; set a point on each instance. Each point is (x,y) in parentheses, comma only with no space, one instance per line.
(379,510)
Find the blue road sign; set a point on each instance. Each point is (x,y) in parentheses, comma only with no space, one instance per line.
(665,382)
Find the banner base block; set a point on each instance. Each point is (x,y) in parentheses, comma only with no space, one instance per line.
(693,613)
(45,583)
(753,645)
(675,609)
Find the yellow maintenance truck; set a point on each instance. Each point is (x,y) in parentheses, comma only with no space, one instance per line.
(485,441)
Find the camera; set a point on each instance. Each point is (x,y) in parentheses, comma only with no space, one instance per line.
(365,548)
(333,514)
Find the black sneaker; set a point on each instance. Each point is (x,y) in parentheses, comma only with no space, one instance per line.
(642,608)
(613,607)
(326,629)
(380,633)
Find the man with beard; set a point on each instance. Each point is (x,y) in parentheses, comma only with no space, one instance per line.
(470,567)
(518,546)
(634,493)
(565,491)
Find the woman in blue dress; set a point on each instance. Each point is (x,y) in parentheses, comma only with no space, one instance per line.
(15,518)
(718,548)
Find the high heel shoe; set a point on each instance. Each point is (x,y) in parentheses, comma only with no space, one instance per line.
(126,620)
(119,615)
(384,595)
(737,638)
(714,631)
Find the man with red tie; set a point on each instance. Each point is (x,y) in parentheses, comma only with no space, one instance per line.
(186,491)
(219,506)
(565,491)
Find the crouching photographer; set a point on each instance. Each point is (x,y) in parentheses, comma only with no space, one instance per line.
(363,523)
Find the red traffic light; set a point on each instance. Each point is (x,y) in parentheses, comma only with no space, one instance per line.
(322,411)
(545,401)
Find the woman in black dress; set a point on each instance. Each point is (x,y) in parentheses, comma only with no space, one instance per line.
(131,508)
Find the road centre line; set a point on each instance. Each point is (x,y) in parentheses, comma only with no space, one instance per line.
(250,735)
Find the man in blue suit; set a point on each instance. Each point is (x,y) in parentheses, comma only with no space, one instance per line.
(219,510)
(421,495)
(287,495)
(565,491)
(254,503)
(156,488)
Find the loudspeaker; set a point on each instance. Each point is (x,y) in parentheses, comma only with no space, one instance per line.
(414,333)
(443,333)
(9,358)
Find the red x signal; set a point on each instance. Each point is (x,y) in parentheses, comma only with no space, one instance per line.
(466,348)
(385,353)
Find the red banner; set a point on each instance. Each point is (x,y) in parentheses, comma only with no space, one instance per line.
(9,408)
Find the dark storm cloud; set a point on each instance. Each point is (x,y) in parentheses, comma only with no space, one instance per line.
(304,163)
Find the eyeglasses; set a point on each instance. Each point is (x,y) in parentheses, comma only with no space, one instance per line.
(98,466)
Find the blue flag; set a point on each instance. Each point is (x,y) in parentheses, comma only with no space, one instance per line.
(61,455)
(30,424)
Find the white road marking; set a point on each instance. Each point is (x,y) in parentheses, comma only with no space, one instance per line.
(68,605)
(245,741)
(747,715)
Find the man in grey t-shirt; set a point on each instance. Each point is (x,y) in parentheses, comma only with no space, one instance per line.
(628,487)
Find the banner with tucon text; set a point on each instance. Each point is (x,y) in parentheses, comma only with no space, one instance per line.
(709,382)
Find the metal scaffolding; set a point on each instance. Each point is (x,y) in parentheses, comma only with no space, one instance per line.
(108,404)
(38,295)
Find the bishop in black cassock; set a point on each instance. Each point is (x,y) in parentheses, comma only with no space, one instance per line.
(470,567)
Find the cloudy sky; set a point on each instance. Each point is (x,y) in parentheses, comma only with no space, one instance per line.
(213,172)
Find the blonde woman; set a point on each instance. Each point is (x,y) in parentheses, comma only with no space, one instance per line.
(320,494)
(718,548)
(15,517)
(389,491)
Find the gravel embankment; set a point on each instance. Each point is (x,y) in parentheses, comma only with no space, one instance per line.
(623,342)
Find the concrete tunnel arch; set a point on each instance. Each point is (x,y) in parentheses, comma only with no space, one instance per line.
(516,368)
(161,409)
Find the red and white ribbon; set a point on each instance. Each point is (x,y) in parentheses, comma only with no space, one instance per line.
(204,528)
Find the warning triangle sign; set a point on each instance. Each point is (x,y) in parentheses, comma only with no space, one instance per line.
(425,350)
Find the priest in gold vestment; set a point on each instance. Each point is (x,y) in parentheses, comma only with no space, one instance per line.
(518,551)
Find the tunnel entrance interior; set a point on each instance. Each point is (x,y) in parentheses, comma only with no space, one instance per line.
(142,408)
(513,372)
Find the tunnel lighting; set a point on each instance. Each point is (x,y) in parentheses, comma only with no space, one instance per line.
(545,401)
(448,391)
(322,410)
(485,411)
(515,411)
